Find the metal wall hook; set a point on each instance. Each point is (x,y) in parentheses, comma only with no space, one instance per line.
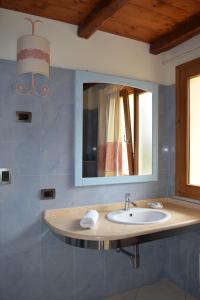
(22,90)
(33,24)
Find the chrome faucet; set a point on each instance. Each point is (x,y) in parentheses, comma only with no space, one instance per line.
(128,201)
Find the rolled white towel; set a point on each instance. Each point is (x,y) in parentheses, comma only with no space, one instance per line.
(89,219)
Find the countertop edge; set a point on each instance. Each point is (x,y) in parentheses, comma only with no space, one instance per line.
(67,234)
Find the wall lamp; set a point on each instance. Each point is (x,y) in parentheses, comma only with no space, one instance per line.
(33,58)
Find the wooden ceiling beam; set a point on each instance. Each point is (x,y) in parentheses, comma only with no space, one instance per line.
(181,33)
(99,15)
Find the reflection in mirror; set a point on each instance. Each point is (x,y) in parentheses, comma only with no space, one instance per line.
(117,130)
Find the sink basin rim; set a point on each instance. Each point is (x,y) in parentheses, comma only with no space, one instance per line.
(112,216)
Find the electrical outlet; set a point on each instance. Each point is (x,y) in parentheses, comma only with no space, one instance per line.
(48,194)
(24,116)
(5,176)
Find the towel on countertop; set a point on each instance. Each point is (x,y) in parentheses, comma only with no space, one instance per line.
(89,219)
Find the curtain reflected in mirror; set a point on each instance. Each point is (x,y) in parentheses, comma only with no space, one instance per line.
(117,130)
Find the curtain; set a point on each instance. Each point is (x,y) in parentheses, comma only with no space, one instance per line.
(109,148)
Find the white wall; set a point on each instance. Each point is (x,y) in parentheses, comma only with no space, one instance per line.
(103,52)
(184,52)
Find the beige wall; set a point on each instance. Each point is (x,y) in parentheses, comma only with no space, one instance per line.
(103,52)
(184,52)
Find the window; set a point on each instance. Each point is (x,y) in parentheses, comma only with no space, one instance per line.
(188,130)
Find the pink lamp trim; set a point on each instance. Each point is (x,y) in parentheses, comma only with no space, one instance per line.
(33,53)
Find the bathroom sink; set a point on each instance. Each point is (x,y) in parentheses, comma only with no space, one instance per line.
(140,216)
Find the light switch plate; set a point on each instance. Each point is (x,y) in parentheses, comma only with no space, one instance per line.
(5,176)
(24,116)
(48,194)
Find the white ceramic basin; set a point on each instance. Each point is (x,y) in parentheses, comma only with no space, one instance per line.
(138,216)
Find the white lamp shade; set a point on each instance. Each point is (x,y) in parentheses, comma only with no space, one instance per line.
(33,55)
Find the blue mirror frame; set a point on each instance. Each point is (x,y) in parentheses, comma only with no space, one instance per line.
(86,76)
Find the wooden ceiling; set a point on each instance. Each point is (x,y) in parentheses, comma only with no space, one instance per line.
(161,23)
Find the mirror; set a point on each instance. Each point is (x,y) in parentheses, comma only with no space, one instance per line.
(116,130)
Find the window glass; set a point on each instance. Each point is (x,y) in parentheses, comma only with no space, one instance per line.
(145,133)
(194,131)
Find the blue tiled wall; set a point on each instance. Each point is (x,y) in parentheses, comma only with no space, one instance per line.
(34,264)
(182,263)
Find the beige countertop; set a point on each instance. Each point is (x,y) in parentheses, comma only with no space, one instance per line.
(65,221)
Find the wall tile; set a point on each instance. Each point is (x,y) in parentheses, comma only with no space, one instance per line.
(182,266)
(118,270)
(89,274)
(172,141)
(152,260)
(34,263)
(20,275)
(21,216)
(57,140)
(57,264)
